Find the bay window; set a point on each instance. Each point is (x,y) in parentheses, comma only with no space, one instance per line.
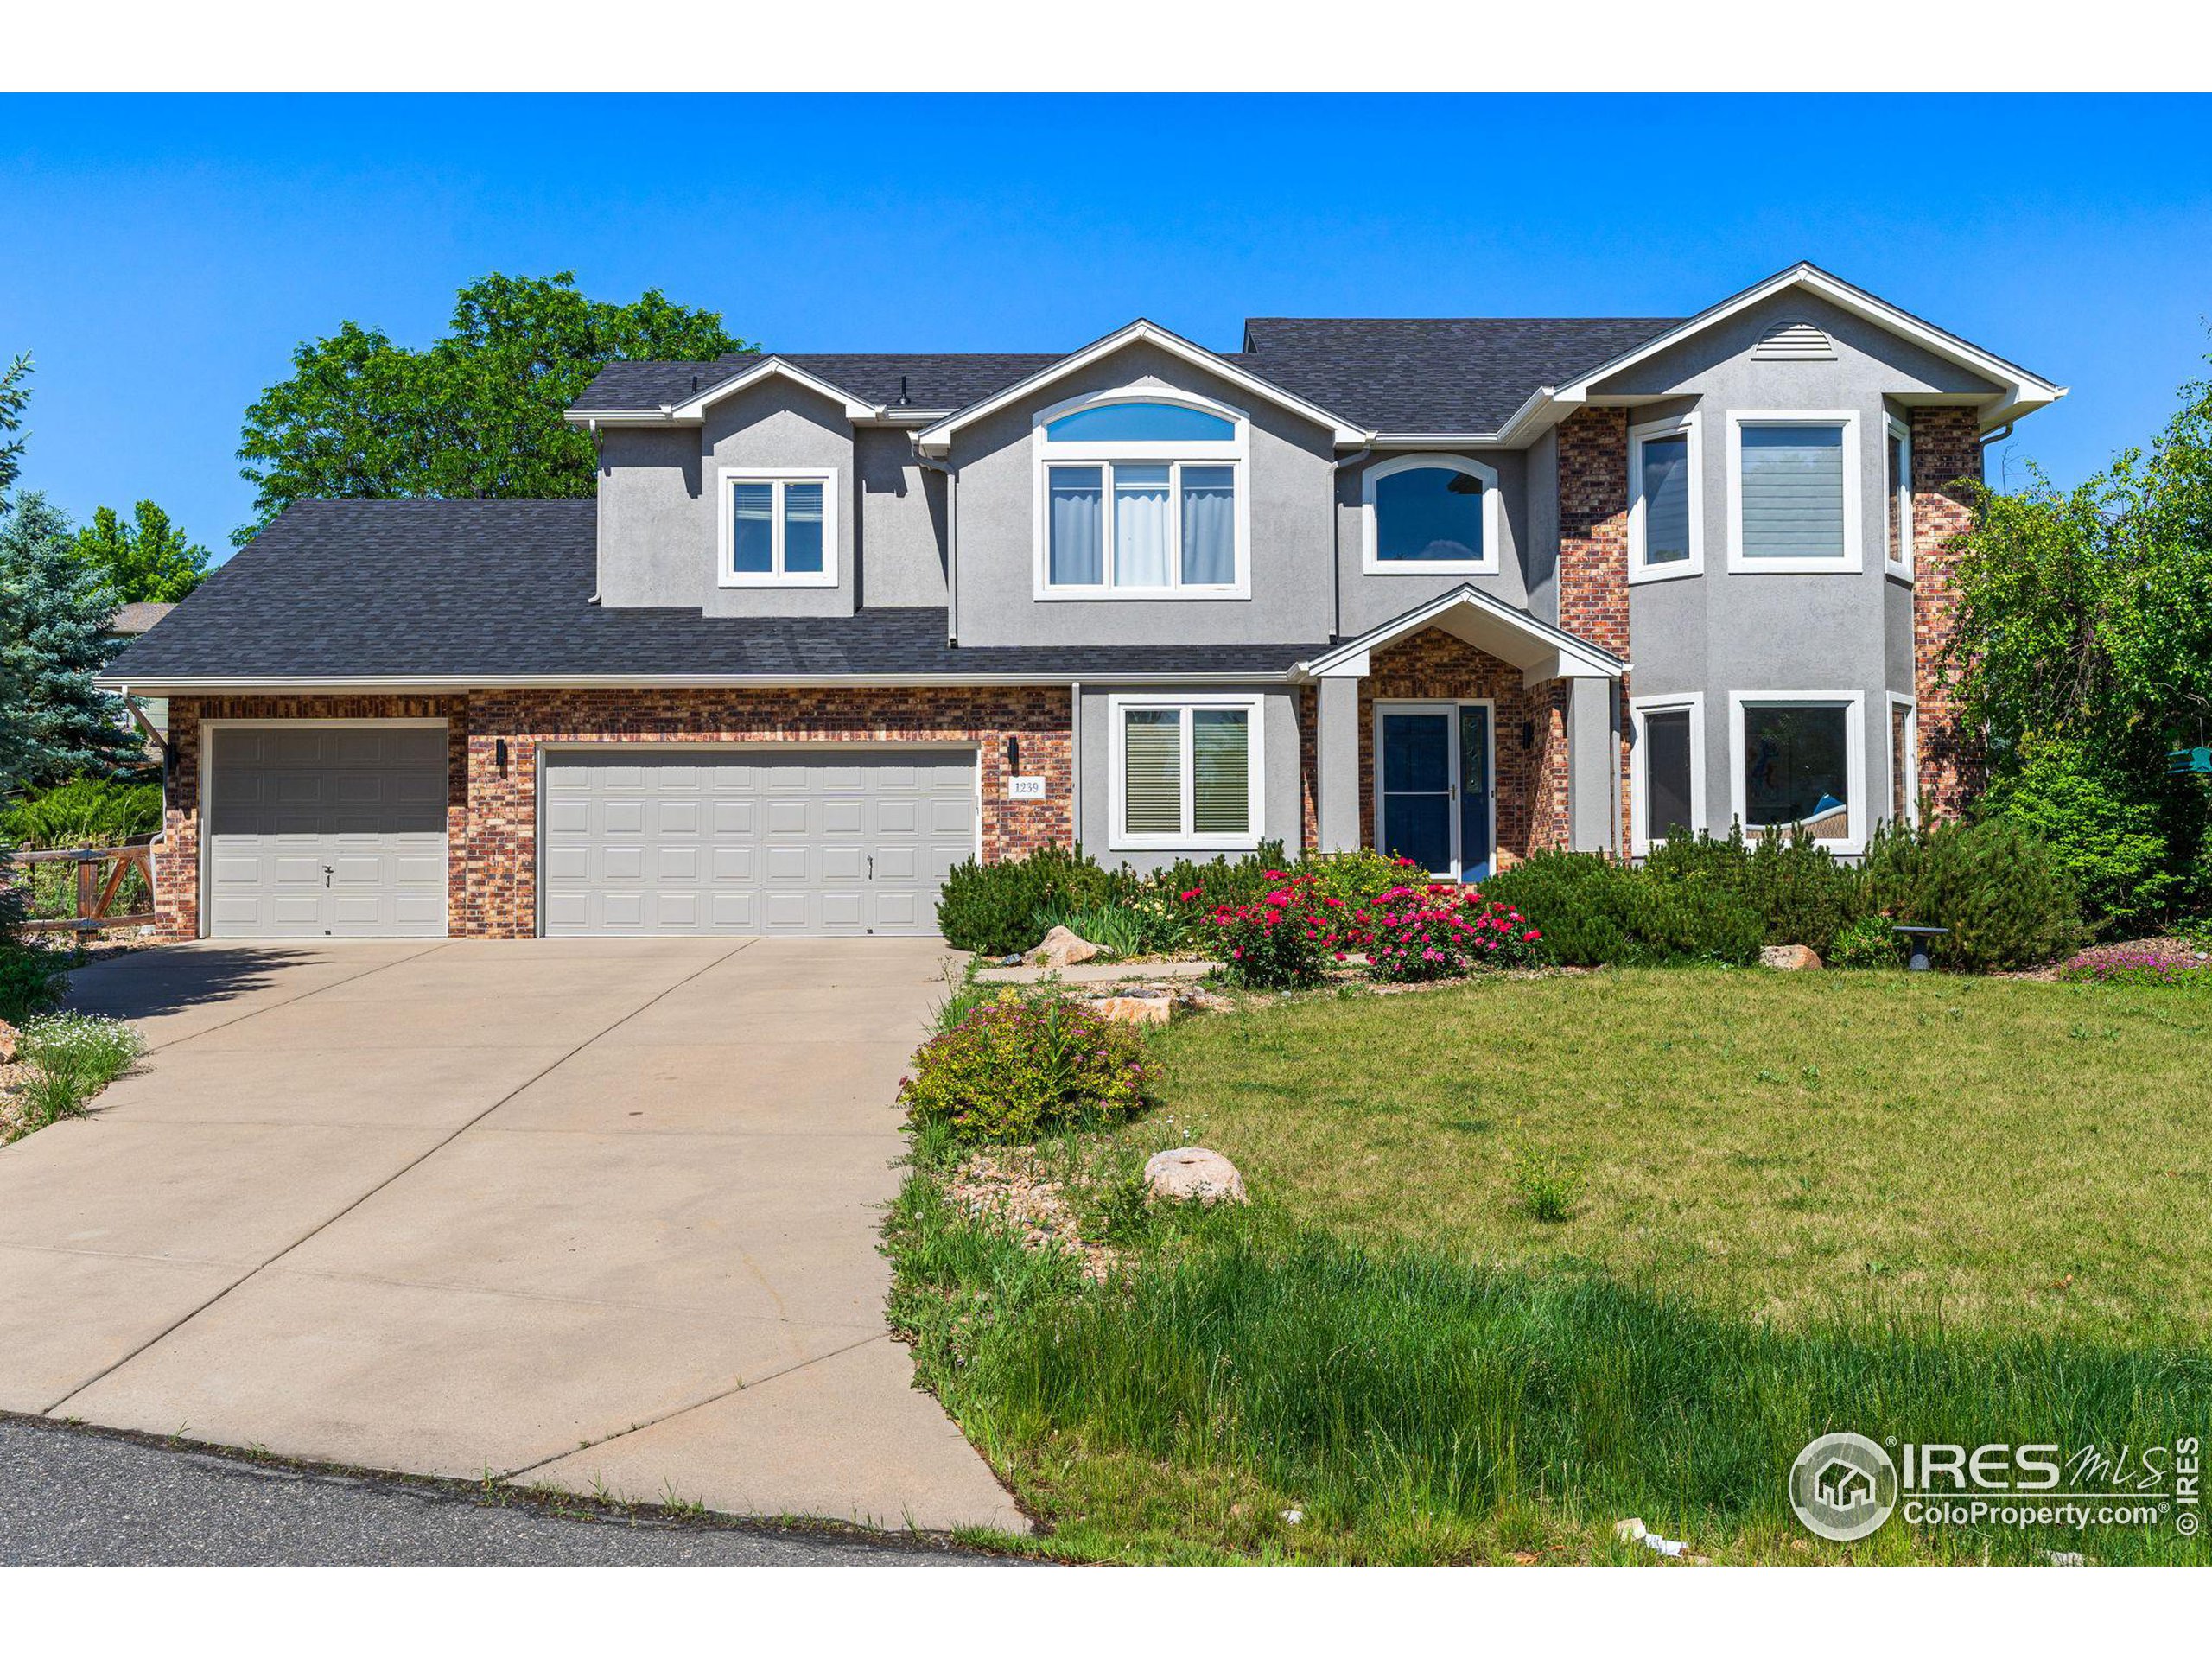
(1666,531)
(1666,777)
(1800,763)
(1897,498)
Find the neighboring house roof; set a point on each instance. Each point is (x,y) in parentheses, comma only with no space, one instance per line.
(458,594)
(138,616)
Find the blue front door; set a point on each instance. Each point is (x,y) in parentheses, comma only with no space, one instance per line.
(1436,789)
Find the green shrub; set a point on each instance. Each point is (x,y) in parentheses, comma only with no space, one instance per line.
(1204,889)
(1359,879)
(83,812)
(1801,895)
(31,974)
(1018,1067)
(1996,886)
(991,908)
(2108,833)
(1131,927)
(1594,912)
(1870,942)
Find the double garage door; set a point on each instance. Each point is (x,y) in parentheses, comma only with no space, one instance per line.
(809,842)
(339,831)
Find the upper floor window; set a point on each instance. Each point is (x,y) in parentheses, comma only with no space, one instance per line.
(1430,515)
(1665,529)
(1139,497)
(779,529)
(1897,498)
(1793,490)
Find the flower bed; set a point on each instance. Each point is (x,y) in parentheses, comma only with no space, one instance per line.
(1283,939)
(1441,930)
(2141,962)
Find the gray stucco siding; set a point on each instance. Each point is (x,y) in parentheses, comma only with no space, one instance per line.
(1289,479)
(901,522)
(1280,810)
(651,519)
(1367,600)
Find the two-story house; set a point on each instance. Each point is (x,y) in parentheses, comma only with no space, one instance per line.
(1460,589)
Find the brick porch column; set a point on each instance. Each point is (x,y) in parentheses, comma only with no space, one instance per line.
(1593,603)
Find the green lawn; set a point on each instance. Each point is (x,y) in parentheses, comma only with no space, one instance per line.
(1924,1206)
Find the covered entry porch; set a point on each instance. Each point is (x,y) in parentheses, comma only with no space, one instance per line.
(1466,734)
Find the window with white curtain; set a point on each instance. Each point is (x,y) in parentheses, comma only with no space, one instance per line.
(1185,773)
(1138,498)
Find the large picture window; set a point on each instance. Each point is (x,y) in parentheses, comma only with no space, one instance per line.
(1793,491)
(1801,764)
(778,530)
(1185,773)
(1430,515)
(1140,499)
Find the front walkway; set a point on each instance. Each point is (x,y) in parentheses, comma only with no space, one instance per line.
(596,1214)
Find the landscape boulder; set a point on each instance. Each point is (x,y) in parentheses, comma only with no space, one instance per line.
(1060,948)
(7,1044)
(1147,1010)
(1182,1173)
(1789,956)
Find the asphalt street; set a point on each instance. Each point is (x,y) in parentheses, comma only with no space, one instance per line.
(68,1497)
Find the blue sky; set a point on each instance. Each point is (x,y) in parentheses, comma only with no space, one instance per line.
(164,255)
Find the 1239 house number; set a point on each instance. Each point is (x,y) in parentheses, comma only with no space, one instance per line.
(1025,789)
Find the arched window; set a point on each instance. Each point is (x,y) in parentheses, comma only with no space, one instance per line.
(1141,495)
(1431,514)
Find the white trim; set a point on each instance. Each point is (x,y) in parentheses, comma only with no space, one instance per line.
(1911,706)
(1119,839)
(204,805)
(1690,427)
(1853,558)
(1854,841)
(1046,453)
(1554,653)
(937,439)
(1432,705)
(2019,391)
(778,478)
(1691,702)
(1370,562)
(1896,496)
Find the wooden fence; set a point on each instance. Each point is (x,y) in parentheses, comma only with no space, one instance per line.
(96,894)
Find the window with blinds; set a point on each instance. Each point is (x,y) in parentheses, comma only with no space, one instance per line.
(1186,773)
(1791,487)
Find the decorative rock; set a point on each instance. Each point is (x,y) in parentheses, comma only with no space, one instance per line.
(1789,956)
(1060,948)
(1136,1010)
(7,1044)
(1188,1173)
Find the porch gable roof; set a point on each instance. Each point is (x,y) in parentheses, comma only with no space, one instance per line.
(1539,650)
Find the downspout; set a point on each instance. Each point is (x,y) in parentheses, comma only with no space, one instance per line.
(1075,761)
(599,535)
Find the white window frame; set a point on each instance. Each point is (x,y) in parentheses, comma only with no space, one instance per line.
(1641,839)
(1118,836)
(1047,451)
(1680,426)
(779,477)
(1854,550)
(1911,706)
(1853,840)
(1900,491)
(1371,562)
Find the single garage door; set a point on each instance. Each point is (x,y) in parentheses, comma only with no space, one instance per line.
(327,831)
(809,842)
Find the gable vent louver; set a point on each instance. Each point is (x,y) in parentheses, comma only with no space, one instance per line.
(1795,342)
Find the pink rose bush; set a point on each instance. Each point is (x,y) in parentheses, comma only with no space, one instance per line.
(1442,929)
(1280,940)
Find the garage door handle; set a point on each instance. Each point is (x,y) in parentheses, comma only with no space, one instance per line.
(871,866)
(327,872)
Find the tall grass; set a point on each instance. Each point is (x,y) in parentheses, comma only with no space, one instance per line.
(71,1057)
(1413,1407)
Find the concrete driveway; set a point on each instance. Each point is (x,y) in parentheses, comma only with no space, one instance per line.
(592,1214)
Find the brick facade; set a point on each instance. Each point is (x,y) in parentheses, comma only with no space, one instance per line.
(1530,777)
(1946,450)
(1593,548)
(491,815)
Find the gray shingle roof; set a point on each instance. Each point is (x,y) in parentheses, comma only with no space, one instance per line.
(1394,374)
(452,590)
